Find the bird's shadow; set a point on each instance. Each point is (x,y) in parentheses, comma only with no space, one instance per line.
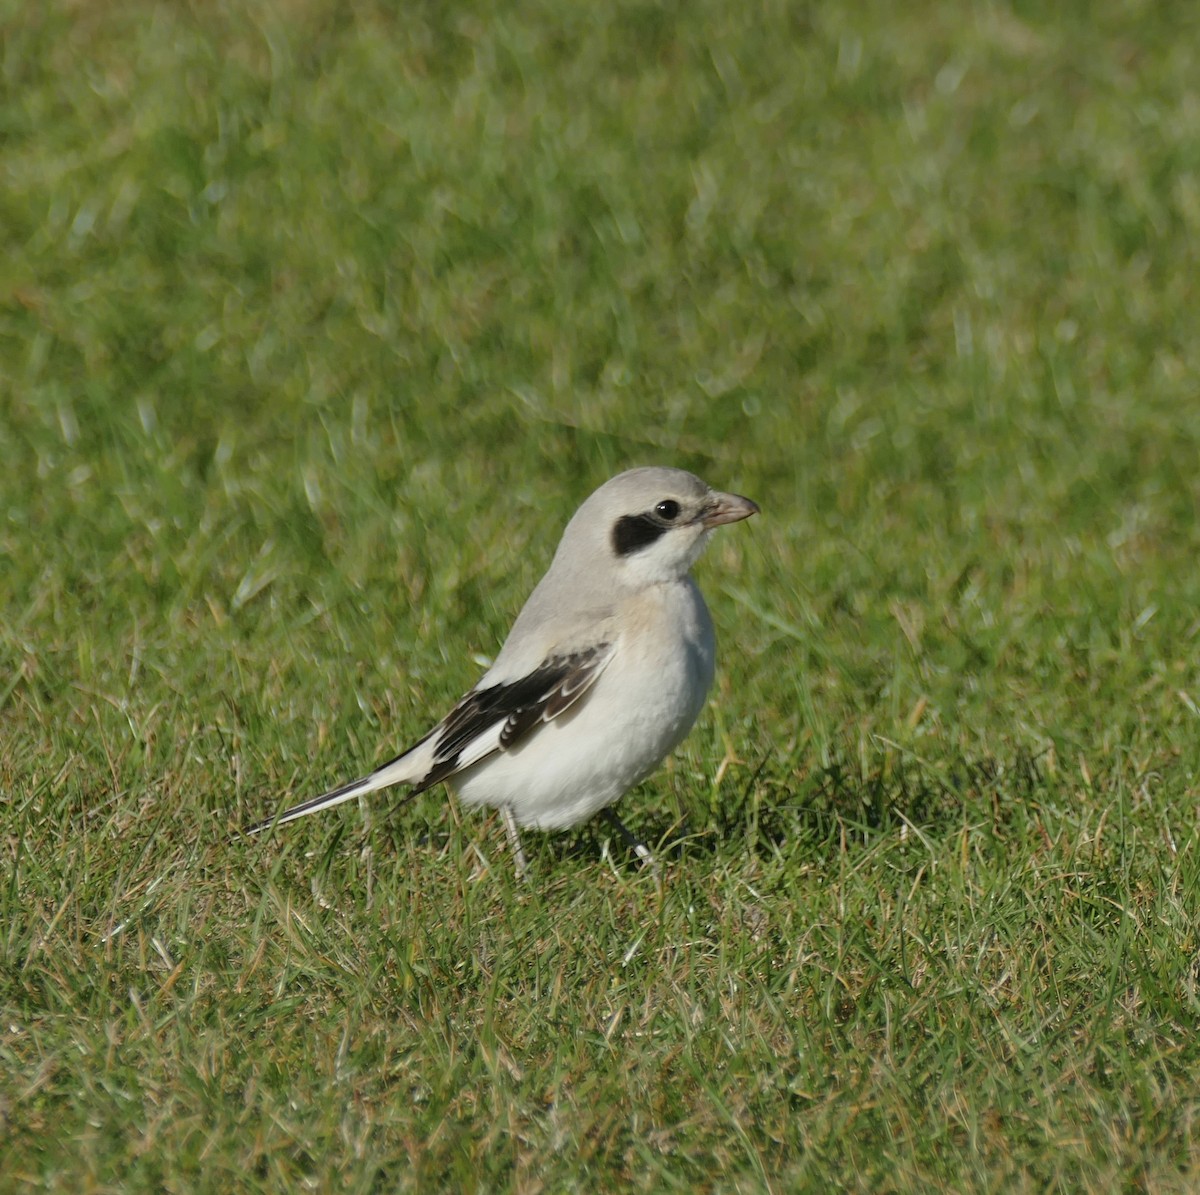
(773,811)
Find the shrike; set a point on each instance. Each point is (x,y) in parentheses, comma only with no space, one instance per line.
(600,678)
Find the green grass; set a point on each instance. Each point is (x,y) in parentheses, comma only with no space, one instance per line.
(317,321)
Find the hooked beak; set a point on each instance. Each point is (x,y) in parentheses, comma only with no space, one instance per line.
(726,508)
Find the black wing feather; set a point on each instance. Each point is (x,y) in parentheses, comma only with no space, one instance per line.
(545,693)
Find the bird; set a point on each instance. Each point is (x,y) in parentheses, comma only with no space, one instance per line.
(601,677)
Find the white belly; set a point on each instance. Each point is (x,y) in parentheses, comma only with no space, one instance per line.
(638,711)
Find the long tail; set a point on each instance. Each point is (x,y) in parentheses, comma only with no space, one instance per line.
(400,770)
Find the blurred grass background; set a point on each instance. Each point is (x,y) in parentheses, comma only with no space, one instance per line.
(316,322)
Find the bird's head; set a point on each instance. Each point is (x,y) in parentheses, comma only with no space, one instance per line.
(649,525)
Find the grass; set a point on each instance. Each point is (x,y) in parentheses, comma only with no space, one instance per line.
(316,321)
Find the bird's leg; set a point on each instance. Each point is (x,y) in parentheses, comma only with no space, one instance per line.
(514,843)
(634,843)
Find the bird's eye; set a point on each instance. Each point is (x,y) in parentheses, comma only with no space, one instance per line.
(668,510)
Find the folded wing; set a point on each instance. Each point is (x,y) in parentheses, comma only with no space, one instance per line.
(498,717)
